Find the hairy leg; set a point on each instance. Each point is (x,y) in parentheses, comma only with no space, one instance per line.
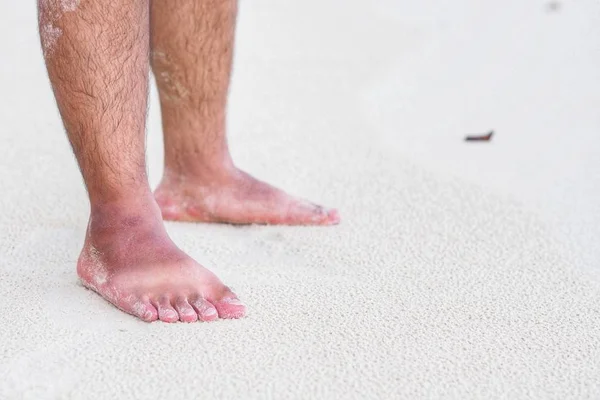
(192,51)
(96,53)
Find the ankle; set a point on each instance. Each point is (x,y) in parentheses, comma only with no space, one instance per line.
(200,171)
(124,214)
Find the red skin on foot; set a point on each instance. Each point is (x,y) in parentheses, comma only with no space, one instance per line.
(129,259)
(237,198)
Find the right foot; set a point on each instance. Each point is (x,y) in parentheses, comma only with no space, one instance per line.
(129,259)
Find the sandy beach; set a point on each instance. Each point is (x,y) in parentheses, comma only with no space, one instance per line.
(459,271)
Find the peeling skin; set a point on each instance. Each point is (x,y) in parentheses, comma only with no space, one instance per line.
(173,89)
(139,309)
(50,12)
(97,270)
(55,8)
(113,295)
(69,5)
(50,35)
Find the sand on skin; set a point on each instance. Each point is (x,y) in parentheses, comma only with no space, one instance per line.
(459,270)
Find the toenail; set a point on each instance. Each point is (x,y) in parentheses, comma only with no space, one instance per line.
(234,302)
(209,312)
(333,214)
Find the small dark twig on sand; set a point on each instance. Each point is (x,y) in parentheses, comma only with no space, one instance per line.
(480,138)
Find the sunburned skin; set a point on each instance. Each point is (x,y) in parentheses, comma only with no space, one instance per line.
(201,183)
(238,199)
(132,263)
(50,11)
(98,59)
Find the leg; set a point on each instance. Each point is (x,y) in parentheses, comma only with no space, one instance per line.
(97,58)
(192,48)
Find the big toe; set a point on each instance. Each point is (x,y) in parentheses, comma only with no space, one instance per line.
(143,309)
(306,213)
(230,308)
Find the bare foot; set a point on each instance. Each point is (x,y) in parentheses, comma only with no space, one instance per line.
(129,259)
(236,198)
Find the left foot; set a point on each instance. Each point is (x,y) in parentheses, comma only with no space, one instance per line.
(236,198)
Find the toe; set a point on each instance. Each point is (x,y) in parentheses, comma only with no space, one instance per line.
(324,216)
(307,213)
(333,217)
(144,310)
(185,311)
(206,311)
(230,308)
(166,312)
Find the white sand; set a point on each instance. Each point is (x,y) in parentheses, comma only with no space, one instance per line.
(460,270)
